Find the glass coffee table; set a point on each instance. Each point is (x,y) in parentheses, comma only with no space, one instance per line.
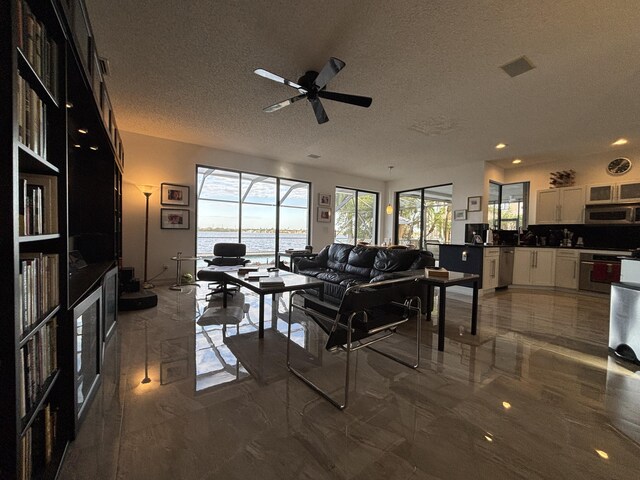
(292,281)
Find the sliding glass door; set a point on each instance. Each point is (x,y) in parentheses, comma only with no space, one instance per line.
(265,213)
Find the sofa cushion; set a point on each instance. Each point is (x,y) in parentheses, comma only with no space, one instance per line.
(321,259)
(334,277)
(312,271)
(338,256)
(361,260)
(393,260)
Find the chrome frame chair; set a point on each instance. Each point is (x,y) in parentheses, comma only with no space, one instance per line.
(368,313)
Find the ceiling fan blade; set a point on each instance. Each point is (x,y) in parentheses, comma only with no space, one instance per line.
(277,78)
(318,109)
(345,98)
(330,70)
(284,103)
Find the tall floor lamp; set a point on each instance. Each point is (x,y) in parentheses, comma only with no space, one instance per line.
(147,190)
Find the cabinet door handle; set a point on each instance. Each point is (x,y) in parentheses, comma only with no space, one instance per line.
(493,268)
(535,259)
(558,212)
(575,265)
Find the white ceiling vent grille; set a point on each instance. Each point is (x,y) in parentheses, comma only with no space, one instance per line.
(313,155)
(518,66)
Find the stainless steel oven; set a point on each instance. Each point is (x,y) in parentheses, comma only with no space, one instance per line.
(597,272)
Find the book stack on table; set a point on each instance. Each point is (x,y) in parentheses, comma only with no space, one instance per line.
(271,282)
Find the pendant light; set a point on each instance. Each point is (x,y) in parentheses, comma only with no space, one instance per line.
(389,206)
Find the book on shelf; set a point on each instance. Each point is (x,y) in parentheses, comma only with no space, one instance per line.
(31,119)
(38,209)
(39,361)
(37,443)
(40,50)
(272,282)
(39,287)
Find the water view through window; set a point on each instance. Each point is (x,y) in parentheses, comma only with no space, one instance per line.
(265,213)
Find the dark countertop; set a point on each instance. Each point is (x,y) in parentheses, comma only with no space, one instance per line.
(536,246)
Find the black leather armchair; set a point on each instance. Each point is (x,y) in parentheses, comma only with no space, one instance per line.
(226,255)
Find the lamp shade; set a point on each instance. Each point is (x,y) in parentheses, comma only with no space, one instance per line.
(147,189)
(389,209)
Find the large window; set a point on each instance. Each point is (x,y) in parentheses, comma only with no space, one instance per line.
(356,218)
(265,213)
(508,205)
(424,216)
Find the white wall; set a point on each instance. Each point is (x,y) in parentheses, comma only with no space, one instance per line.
(152,161)
(468,181)
(589,170)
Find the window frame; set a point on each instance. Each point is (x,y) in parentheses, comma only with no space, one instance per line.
(376,212)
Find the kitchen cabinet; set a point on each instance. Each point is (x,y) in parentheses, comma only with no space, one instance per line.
(622,192)
(560,205)
(534,266)
(567,269)
(490,267)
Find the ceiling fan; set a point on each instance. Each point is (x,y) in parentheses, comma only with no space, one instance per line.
(312,87)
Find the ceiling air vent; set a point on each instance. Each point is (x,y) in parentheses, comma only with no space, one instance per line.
(518,66)
(313,155)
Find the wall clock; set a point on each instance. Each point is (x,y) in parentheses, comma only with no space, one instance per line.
(619,166)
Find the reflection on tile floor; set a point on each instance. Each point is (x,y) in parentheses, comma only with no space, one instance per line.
(533,395)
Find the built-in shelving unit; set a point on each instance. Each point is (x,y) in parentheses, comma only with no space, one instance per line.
(63,189)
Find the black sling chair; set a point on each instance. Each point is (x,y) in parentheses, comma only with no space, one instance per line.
(368,313)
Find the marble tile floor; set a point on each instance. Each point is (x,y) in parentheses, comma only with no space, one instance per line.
(533,395)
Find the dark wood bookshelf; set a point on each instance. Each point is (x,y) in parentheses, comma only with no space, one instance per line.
(31,331)
(31,162)
(53,87)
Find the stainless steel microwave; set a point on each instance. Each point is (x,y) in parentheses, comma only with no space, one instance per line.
(612,214)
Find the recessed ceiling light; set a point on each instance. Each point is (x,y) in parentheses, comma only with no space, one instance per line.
(620,141)
(488,438)
(68,105)
(93,147)
(84,131)
(602,454)
(506,405)
(500,146)
(76,145)
(516,161)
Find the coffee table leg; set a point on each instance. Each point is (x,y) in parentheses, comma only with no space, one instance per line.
(261,318)
(441,310)
(474,309)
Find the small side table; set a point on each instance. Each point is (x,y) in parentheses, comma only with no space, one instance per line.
(292,255)
(179,259)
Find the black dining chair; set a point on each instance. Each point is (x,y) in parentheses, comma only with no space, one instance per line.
(368,313)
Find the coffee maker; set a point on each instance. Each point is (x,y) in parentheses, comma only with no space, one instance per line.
(475,231)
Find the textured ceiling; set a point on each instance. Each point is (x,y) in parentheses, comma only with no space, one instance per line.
(183,70)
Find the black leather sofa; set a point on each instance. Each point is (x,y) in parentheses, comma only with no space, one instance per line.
(340,266)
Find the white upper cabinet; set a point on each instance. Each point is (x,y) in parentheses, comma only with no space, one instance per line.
(623,192)
(560,205)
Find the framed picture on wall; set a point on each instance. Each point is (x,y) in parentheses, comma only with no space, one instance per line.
(324,199)
(459,214)
(474,204)
(324,214)
(174,219)
(171,194)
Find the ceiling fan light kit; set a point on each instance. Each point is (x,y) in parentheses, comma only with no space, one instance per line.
(312,87)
